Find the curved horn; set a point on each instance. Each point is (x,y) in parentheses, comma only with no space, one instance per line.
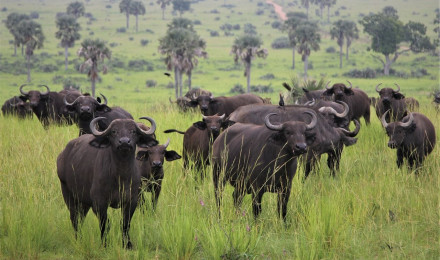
(314,120)
(310,103)
(222,117)
(12,104)
(70,104)
(382,119)
(398,88)
(152,128)
(167,143)
(355,131)
(205,117)
(47,90)
(346,110)
(186,99)
(407,124)
(169,98)
(21,90)
(326,86)
(378,90)
(194,97)
(351,85)
(270,125)
(95,131)
(105,99)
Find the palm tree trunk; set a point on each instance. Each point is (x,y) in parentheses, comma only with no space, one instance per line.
(28,57)
(136,23)
(180,83)
(93,80)
(126,15)
(15,50)
(307,11)
(248,74)
(22,50)
(340,56)
(293,58)
(328,13)
(66,53)
(189,79)
(306,64)
(163,13)
(346,53)
(387,66)
(321,7)
(176,82)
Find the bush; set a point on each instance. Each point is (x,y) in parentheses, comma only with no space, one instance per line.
(197,22)
(262,89)
(34,15)
(150,83)
(281,43)
(419,73)
(4,9)
(215,11)
(276,25)
(259,12)
(170,85)
(121,30)
(139,65)
(268,76)
(367,73)
(250,29)
(48,68)
(108,6)
(238,88)
(214,33)
(144,42)
(71,83)
(226,27)
(117,63)
(91,33)
(149,31)
(113,44)
(330,49)
(131,38)
(236,27)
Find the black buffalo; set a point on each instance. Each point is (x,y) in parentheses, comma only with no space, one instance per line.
(356,99)
(436,100)
(413,137)
(150,161)
(330,137)
(198,139)
(49,106)
(184,102)
(392,100)
(86,107)
(256,159)
(210,105)
(100,170)
(16,106)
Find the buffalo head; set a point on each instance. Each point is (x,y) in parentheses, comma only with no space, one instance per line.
(437,97)
(333,117)
(388,94)
(203,101)
(397,130)
(86,106)
(34,96)
(298,135)
(155,155)
(213,124)
(339,90)
(122,135)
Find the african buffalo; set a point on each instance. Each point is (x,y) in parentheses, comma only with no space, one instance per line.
(436,100)
(184,102)
(309,95)
(150,161)
(413,137)
(100,170)
(210,105)
(198,139)
(16,106)
(86,107)
(412,104)
(49,106)
(356,99)
(392,100)
(330,137)
(256,159)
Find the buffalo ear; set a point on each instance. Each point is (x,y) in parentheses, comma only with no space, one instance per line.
(227,123)
(193,103)
(172,155)
(100,142)
(310,137)
(103,108)
(328,92)
(278,138)
(142,156)
(200,125)
(98,99)
(146,141)
(24,98)
(398,96)
(70,108)
(348,92)
(348,140)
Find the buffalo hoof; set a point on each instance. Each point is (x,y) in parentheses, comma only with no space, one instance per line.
(129,245)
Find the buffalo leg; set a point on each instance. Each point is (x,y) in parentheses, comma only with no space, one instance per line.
(218,186)
(237,195)
(333,161)
(399,157)
(127,213)
(77,210)
(155,195)
(367,116)
(101,213)
(257,196)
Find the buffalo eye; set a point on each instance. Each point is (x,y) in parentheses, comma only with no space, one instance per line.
(114,132)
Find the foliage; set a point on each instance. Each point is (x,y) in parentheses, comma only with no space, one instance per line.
(237,89)
(163,5)
(281,43)
(150,83)
(136,8)
(68,29)
(124,7)
(297,87)
(366,73)
(11,23)
(181,6)
(249,28)
(76,9)
(308,39)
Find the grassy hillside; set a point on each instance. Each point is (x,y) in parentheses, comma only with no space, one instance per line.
(371,209)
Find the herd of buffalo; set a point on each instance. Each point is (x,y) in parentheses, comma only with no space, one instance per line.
(250,143)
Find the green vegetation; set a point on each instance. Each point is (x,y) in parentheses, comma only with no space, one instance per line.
(371,209)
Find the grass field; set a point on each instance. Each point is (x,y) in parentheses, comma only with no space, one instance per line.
(371,209)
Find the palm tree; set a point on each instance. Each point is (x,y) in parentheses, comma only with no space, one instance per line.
(320,4)
(306,4)
(93,52)
(11,23)
(68,29)
(246,48)
(338,32)
(31,35)
(124,7)
(289,26)
(181,6)
(192,56)
(137,8)
(163,4)
(329,3)
(351,32)
(308,39)
(76,9)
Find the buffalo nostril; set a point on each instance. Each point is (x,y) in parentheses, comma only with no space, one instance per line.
(157,163)
(124,140)
(301,146)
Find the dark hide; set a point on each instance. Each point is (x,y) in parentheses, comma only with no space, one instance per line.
(312,95)
(150,161)
(392,100)
(255,159)
(411,103)
(17,107)
(330,138)
(356,99)
(101,171)
(224,105)
(413,142)
(184,102)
